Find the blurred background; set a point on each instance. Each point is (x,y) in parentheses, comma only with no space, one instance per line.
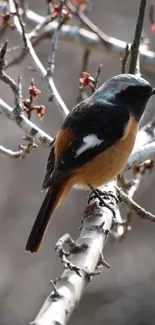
(125,294)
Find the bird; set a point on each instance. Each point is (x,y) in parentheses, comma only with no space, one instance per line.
(93,144)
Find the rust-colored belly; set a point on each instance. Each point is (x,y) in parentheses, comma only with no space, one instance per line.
(107,165)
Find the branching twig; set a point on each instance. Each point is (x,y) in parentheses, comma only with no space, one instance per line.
(86,39)
(142,213)
(21,29)
(27,126)
(88,23)
(22,152)
(144,137)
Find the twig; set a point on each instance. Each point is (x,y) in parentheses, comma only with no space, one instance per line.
(21,153)
(142,213)
(27,126)
(21,24)
(88,23)
(96,81)
(144,137)
(85,61)
(15,87)
(125,58)
(55,37)
(86,39)
(34,33)
(137,37)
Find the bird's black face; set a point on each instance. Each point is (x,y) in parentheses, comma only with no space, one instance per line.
(135,98)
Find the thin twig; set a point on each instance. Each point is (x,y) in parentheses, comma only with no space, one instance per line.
(15,87)
(87,22)
(125,58)
(137,37)
(55,37)
(96,80)
(21,153)
(34,33)
(27,126)
(85,60)
(85,39)
(21,23)
(142,213)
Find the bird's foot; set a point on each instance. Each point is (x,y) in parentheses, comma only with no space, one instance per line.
(102,196)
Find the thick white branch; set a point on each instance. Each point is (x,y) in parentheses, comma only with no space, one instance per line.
(70,287)
(140,155)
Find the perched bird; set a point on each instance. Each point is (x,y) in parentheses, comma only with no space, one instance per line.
(92,145)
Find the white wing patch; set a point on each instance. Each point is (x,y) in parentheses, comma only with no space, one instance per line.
(90,141)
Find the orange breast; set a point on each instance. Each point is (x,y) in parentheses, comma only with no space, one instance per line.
(107,165)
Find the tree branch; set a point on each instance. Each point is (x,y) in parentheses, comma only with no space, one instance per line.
(69,288)
(91,40)
(26,125)
(141,155)
(142,213)
(21,153)
(40,68)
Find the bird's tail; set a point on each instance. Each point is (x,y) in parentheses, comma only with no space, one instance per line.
(52,199)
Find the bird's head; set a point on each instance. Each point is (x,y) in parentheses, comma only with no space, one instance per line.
(126,90)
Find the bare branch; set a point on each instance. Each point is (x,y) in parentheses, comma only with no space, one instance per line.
(70,286)
(15,87)
(125,58)
(27,126)
(40,68)
(130,187)
(55,37)
(88,23)
(140,155)
(22,152)
(142,213)
(91,40)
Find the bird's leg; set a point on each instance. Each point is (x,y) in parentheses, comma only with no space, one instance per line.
(107,194)
(101,196)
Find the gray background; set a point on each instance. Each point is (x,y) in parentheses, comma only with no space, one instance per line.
(125,294)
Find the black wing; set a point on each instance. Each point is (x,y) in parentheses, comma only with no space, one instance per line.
(106,124)
(50,165)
